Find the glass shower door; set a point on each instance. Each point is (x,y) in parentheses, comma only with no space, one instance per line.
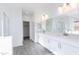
(5,38)
(5,25)
(0,25)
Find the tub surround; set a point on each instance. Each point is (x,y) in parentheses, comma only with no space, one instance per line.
(6,45)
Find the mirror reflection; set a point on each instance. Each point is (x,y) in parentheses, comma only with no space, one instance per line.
(68,22)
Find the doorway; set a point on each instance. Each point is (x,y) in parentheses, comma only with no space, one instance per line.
(26,30)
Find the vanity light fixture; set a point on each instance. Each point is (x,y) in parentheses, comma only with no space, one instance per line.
(67,7)
(44,17)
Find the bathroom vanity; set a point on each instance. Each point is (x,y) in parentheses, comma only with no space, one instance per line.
(60,34)
(59,44)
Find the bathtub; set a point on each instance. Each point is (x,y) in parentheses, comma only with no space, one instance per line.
(6,45)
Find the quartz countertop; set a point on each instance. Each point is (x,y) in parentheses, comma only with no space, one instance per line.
(70,39)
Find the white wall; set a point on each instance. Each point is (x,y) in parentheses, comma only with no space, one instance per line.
(32,31)
(16,25)
(25,18)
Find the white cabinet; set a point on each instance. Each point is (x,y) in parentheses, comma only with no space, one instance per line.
(43,41)
(58,45)
(68,49)
(49,43)
(53,45)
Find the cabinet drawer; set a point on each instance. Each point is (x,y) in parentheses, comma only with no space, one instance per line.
(68,49)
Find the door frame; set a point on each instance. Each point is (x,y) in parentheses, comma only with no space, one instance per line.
(29,29)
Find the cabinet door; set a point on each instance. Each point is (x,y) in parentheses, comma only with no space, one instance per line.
(46,41)
(53,46)
(68,49)
(43,41)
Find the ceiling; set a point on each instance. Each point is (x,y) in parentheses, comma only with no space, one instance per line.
(31,6)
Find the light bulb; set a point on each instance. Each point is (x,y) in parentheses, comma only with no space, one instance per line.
(65,5)
(73,5)
(44,17)
(60,10)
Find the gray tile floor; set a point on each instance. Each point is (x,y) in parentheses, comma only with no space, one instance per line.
(31,48)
